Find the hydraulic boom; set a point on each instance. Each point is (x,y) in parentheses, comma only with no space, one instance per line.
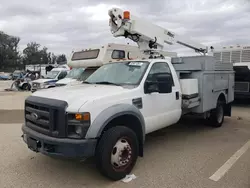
(148,36)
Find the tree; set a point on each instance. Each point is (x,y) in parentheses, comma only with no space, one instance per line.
(61,59)
(33,55)
(9,55)
(53,58)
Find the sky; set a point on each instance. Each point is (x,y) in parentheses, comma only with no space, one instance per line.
(68,25)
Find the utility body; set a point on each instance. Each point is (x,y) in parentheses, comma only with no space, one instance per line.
(110,113)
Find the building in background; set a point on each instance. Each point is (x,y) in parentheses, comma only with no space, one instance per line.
(239,55)
(233,54)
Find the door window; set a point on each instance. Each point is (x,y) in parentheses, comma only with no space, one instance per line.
(160,67)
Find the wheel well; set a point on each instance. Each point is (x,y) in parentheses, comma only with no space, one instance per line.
(227,106)
(131,122)
(222,98)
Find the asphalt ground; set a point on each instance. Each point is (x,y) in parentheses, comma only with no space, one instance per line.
(184,155)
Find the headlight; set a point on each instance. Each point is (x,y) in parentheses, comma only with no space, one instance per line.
(42,85)
(35,85)
(78,124)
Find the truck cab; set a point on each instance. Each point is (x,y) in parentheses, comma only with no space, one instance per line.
(242,80)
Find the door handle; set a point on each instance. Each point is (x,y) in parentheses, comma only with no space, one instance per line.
(177,95)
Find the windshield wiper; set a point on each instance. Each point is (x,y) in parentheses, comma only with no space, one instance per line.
(108,83)
(85,82)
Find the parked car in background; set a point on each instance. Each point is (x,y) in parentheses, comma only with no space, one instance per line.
(50,79)
(17,74)
(26,81)
(5,76)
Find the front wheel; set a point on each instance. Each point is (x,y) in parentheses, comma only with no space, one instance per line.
(26,87)
(117,152)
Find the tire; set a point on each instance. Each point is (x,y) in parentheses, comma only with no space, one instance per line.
(117,140)
(26,87)
(216,118)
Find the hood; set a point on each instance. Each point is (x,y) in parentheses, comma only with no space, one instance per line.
(65,81)
(44,80)
(79,94)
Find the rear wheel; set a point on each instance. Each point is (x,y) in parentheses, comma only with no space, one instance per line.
(216,118)
(117,152)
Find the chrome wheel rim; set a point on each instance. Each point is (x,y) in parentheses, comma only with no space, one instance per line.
(121,154)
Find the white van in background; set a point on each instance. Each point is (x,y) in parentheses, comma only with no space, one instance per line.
(99,55)
(84,62)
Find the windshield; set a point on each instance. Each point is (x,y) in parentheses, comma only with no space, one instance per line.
(17,73)
(52,74)
(120,73)
(86,73)
(75,73)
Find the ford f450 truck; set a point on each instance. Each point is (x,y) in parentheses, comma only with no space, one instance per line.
(109,114)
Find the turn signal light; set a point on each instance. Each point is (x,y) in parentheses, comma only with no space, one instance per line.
(84,116)
(78,116)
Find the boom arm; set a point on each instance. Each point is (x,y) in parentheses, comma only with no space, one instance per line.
(148,36)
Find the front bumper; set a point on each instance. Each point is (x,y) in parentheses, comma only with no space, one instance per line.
(58,147)
(33,90)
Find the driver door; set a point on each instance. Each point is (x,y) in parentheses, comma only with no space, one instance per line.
(161,109)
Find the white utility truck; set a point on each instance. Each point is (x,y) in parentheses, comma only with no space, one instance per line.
(109,115)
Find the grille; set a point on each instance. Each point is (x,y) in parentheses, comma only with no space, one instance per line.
(242,86)
(35,85)
(38,115)
(46,116)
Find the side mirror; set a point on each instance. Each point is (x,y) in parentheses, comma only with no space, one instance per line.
(151,87)
(163,84)
(61,76)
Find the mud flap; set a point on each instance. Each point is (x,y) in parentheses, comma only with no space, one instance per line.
(228,109)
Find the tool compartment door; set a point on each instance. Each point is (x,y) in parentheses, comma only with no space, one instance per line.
(221,81)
